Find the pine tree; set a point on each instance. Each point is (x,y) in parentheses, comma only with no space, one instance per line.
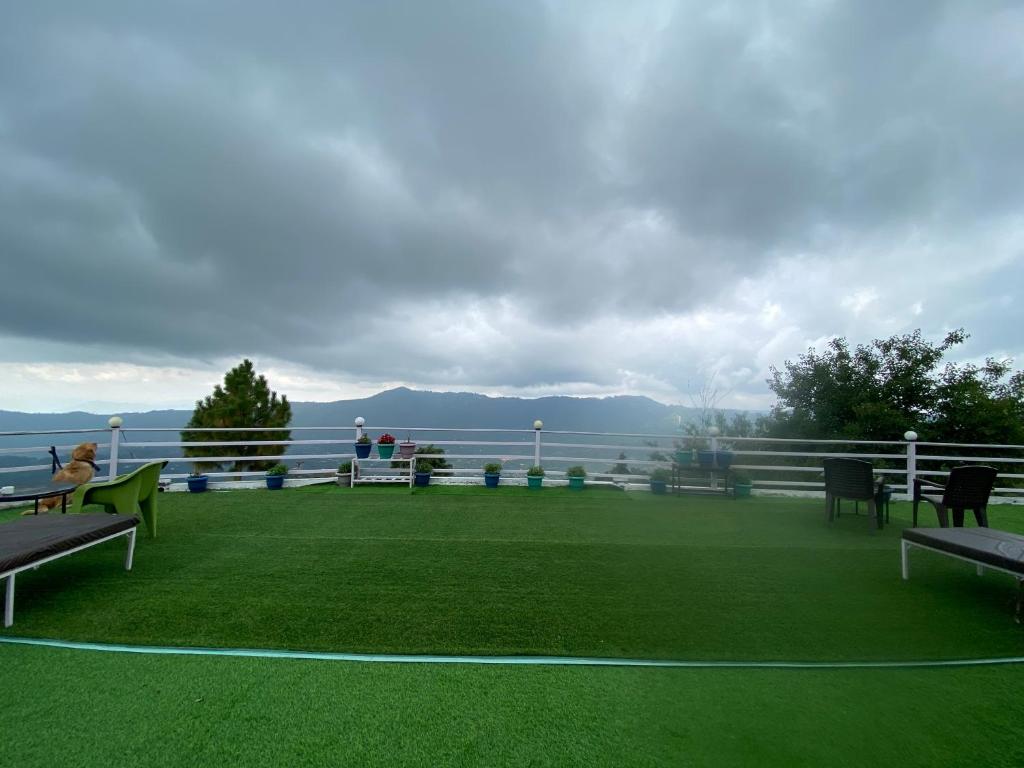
(244,400)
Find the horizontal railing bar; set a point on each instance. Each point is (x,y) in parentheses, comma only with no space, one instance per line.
(31,468)
(25,432)
(795,454)
(46,449)
(726,438)
(974,459)
(215,443)
(351,428)
(974,445)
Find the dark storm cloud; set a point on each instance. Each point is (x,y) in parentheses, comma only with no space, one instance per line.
(312,182)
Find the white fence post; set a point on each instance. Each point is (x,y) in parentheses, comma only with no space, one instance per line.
(911,437)
(538,425)
(359,426)
(713,432)
(115,423)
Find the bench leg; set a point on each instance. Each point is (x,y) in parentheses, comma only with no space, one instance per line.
(130,554)
(980,569)
(9,601)
(904,560)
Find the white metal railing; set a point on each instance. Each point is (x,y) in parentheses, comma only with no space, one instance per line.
(776,465)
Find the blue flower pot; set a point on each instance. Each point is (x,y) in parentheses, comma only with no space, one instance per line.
(385,450)
(658,487)
(422,478)
(275,482)
(714,459)
(684,458)
(363,450)
(197,484)
(491,479)
(741,489)
(576,483)
(534,481)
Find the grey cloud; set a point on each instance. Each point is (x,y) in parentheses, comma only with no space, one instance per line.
(317,183)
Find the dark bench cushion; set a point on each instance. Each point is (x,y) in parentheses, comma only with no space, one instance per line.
(985,545)
(29,539)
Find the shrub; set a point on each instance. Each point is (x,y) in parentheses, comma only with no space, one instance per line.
(535,471)
(661,475)
(435,463)
(345,467)
(278,469)
(424,465)
(493,468)
(576,471)
(740,479)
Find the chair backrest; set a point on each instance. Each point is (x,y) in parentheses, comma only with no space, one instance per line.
(149,478)
(849,479)
(139,485)
(969,487)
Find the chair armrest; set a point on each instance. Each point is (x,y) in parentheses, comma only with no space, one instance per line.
(79,495)
(928,482)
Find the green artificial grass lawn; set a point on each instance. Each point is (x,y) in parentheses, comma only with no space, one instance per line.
(95,709)
(507,571)
(468,570)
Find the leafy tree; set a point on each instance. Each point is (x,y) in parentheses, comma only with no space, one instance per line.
(436,463)
(621,468)
(244,400)
(877,391)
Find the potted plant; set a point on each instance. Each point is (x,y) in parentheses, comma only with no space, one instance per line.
(197,481)
(659,480)
(576,476)
(344,476)
(385,446)
(407,448)
(424,469)
(275,476)
(492,473)
(741,485)
(363,446)
(686,451)
(535,476)
(720,459)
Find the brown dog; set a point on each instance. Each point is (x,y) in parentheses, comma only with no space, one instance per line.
(79,470)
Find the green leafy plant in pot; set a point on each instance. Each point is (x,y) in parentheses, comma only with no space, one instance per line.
(576,477)
(659,480)
(535,476)
(363,445)
(275,476)
(424,469)
(197,481)
(741,485)
(492,473)
(344,476)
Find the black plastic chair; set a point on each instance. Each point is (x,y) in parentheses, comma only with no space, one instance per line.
(852,479)
(968,487)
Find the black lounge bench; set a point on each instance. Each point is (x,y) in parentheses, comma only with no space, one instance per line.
(985,547)
(31,541)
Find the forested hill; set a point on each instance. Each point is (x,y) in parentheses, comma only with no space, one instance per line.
(410,408)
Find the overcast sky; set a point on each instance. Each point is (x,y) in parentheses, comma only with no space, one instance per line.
(517,197)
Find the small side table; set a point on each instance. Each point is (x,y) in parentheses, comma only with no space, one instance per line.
(37,492)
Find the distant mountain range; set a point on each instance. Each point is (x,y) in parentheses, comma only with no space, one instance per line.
(394,409)
(404,407)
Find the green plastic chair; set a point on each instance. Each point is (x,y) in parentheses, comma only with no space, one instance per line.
(131,494)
